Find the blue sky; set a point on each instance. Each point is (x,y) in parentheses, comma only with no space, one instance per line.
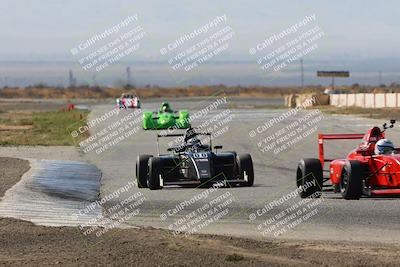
(48,29)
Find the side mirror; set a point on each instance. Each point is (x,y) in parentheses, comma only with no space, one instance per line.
(217,147)
(170,149)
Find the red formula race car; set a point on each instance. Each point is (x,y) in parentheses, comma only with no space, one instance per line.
(371,169)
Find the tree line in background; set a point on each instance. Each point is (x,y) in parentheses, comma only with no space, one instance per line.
(97,92)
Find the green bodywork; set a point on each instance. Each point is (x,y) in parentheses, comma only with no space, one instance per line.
(165,118)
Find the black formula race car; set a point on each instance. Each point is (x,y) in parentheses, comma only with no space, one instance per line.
(193,163)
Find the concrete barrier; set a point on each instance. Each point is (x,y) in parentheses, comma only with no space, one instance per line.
(351,100)
(370,100)
(334,100)
(360,100)
(391,100)
(380,100)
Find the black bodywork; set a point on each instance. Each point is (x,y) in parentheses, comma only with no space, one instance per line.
(199,167)
(193,163)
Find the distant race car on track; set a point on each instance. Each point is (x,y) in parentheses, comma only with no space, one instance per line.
(165,118)
(371,169)
(193,163)
(128,101)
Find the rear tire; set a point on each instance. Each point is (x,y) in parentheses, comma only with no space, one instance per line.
(148,120)
(155,169)
(245,165)
(236,167)
(308,171)
(183,121)
(142,170)
(233,152)
(351,181)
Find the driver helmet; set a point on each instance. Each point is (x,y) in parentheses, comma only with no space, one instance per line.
(383,146)
(165,106)
(191,137)
(190,134)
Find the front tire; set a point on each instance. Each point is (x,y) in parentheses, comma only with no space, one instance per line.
(142,170)
(351,180)
(246,170)
(309,177)
(155,169)
(148,120)
(182,122)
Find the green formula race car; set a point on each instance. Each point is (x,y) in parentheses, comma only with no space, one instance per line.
(165,118)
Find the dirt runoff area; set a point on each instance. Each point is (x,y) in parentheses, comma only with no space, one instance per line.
(23,243)
(11,170)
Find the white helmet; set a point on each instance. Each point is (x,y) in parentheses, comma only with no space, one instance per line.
(383,146)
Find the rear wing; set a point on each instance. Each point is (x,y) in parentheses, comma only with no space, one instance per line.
(180,135)
(322,137)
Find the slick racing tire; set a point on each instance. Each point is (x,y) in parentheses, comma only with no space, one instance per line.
(351,180)
(142,170)
(233,152)
(246,170)
(155,168)
(236,159)
(309,178)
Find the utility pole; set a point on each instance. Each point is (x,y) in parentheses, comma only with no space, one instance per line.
(302,73)
(380,77)
(128,76)
(94,80)
(72,80)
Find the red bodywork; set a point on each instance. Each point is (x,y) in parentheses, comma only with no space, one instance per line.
(383,171)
